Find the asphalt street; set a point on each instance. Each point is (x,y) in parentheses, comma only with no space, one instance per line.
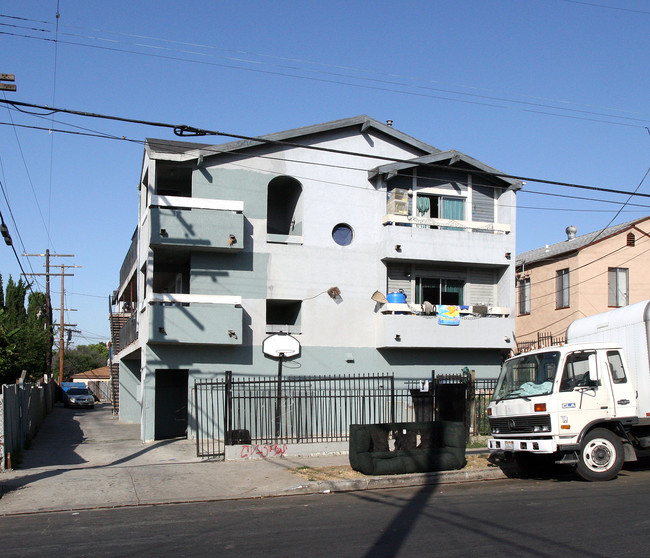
(512,517)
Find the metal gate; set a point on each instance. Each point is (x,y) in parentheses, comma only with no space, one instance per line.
(305,409)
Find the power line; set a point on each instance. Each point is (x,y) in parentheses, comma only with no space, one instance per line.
(184,130)
(236,56)
(371,87)
(7,237)
(594,5)
(29,178)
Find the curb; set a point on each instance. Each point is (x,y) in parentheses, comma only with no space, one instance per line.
(398,481)
(310,487)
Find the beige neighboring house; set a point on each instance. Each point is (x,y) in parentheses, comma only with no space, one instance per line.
(579,277)
(97,380)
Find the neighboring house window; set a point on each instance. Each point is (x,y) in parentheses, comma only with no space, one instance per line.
(562,288)
(524,296)
(283,316)
(283,206)
(617,286)
(439,291)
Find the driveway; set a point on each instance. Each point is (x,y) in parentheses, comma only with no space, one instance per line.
(86,458)
(74,438)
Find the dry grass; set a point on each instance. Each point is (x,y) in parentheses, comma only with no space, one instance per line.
(339,472)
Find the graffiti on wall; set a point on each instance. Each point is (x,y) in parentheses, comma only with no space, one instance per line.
(270,450)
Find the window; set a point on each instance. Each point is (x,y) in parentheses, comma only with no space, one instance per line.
(617,286)
(576,371)
(616,367)
(439,291)
(173,180)
(439,207)
(562,288)
(283,206)
(524,296)
(283,316)
(527,375)
(342,234)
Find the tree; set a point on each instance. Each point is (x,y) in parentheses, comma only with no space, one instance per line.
(7,351)
(24,334)
(37,335)
(81,359)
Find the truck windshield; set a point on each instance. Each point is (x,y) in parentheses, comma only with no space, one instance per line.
(527,376)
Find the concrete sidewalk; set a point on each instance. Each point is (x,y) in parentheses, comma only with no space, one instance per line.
(86,459)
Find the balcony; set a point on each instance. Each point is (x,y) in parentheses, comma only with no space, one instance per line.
(128,332)
(399,327)
(129,263)
(200,224)
(402,218)
(455,241)
(195,319)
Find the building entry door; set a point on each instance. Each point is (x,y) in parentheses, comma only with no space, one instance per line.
(171,404)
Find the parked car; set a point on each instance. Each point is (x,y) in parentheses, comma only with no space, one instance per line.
(78,397)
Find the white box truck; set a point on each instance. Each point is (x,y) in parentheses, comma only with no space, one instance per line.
(585,404)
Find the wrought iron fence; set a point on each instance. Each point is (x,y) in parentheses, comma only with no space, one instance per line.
(543,340)
(232,410)
(481,394)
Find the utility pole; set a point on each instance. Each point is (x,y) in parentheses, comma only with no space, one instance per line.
(7,86)
(62,324)
(48,301)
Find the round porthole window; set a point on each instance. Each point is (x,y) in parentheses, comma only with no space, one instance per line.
(343,234)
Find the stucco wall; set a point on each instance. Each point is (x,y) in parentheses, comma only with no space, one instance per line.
(588,282)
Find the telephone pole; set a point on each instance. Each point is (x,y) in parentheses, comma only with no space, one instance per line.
(7,86)
(62,324)
(50,323)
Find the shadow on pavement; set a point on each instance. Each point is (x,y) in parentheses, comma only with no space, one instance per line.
(56,444)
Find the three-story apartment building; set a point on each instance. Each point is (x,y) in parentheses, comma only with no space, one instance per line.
(349,236)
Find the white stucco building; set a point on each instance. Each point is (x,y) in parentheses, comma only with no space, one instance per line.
(303,232)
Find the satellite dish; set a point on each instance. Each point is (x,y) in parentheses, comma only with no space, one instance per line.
(281,344)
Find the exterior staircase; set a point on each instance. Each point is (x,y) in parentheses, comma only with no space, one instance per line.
(117,322)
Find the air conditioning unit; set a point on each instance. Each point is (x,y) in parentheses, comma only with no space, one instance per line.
(397,207)
(398,194)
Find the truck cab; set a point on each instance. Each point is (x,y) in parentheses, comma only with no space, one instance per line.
(573,402)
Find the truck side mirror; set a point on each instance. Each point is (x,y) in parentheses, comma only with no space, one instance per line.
(593,370)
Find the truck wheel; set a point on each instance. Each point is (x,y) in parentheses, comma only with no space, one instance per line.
(601,455)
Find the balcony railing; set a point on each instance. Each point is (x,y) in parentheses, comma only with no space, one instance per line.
(453,224)
(129,260)
(129,331)
(420,309)
(195,319)
(197,223)
(405,326)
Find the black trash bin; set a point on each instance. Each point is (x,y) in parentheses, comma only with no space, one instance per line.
(237,437)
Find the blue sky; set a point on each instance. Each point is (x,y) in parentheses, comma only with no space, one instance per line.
(546,89)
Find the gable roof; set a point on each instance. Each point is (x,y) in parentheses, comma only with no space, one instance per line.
(579,242)
(186,151)
(452,157)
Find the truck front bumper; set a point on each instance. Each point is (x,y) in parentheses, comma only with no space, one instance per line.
(519,444)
